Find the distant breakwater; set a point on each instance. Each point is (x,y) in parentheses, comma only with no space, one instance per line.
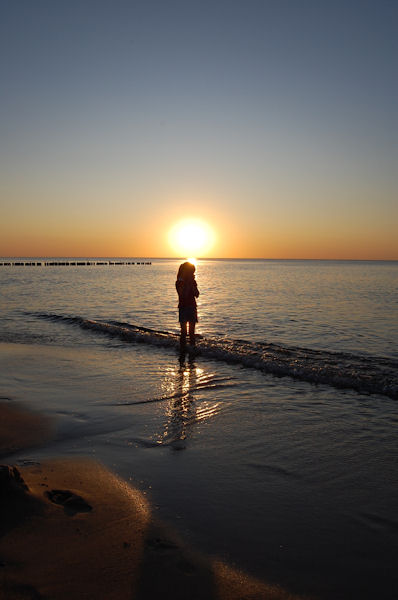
(70,263)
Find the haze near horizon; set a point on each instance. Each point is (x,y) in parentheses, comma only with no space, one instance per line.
(272,124)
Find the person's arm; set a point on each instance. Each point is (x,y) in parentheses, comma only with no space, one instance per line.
(195,290)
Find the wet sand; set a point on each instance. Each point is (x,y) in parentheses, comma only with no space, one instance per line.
(72,529)
(21,428)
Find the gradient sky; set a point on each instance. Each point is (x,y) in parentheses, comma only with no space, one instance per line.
(275,121)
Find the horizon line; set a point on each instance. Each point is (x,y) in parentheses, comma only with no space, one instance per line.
(198,258)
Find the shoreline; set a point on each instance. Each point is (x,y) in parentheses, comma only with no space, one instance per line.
(72,529)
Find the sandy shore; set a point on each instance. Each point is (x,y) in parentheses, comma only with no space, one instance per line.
(70,529)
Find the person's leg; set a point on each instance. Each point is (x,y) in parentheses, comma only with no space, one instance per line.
(183,332)
(192,332)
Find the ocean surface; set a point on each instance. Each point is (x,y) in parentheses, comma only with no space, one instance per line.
(273,445)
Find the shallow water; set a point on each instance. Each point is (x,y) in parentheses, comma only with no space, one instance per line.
(294,481)
(331,305)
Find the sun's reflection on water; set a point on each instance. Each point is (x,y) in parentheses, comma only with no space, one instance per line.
(185,387)
(181,409)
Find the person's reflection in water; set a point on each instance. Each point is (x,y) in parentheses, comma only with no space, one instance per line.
(181,412)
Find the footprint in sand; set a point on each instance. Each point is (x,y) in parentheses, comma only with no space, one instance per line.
(71,502)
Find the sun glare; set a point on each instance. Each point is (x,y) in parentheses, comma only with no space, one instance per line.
(191,238)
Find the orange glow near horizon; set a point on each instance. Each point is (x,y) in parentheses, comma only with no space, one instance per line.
(213,235)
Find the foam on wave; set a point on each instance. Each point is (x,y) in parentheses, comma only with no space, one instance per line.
(373,375)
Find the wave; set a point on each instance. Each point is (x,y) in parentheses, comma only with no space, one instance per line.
(365,374)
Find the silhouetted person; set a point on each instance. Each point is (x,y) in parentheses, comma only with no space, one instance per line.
(187,290)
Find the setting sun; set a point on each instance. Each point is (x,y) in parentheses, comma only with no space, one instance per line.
(191,237)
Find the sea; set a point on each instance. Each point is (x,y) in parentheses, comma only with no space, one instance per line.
(271,445)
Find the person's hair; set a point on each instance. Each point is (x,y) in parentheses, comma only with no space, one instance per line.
(186,269)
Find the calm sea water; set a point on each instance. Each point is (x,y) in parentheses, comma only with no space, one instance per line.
(292,478)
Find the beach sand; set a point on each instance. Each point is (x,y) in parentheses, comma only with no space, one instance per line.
(71,529)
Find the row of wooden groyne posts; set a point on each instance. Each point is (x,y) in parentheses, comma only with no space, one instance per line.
(70,263)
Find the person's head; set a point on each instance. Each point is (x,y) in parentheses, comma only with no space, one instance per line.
(186,270)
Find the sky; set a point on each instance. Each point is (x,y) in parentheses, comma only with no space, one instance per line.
(272,122)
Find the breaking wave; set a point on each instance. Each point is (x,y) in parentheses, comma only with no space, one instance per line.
(364,374)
